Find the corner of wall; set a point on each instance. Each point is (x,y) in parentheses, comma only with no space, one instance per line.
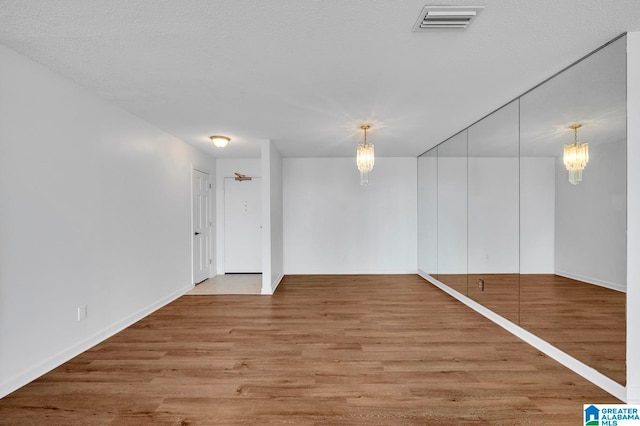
(633,212)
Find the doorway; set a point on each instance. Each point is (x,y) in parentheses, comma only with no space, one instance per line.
(242,226)
(201,226)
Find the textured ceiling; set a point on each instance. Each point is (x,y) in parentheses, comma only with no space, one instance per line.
(306,74)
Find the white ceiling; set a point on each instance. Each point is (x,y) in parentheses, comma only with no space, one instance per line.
(304,73)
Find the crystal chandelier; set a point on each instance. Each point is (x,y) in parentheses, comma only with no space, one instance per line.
(576,156)
(365,157)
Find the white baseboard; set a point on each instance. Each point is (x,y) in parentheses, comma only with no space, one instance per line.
(268,288)
(589,373)
(21,379)
(276,283)
(595,281)
(633,394)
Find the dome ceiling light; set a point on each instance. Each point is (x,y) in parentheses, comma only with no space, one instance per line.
(220,141)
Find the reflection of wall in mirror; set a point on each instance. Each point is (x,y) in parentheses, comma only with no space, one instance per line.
(537,214)
(493,215)
(590,243)
(452,215)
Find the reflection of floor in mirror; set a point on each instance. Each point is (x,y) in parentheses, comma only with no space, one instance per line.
(230,284)
(586,321)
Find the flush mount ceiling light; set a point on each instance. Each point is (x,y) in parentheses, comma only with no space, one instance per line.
(219,141)
(446,17)
(576,156)
(365,157)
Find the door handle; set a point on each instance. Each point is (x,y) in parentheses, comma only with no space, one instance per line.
(197,233)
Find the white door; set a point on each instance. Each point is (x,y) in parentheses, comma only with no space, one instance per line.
(242,226)
(201,226)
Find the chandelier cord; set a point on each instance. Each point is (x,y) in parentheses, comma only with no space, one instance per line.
(365,127)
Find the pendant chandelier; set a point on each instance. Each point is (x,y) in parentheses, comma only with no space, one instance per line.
(576,156)
(365,157)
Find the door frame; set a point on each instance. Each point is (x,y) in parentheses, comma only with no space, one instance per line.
(210,214)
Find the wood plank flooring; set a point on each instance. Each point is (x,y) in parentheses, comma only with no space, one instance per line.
(348,350)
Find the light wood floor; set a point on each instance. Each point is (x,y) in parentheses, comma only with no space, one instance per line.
(348,350)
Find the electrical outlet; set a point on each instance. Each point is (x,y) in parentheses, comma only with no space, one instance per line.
(82,312)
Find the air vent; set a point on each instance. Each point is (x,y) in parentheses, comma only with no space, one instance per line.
(446,17)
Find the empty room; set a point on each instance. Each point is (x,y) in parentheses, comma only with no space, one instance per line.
(303,212)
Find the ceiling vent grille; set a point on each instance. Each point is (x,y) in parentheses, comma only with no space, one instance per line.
(446,17)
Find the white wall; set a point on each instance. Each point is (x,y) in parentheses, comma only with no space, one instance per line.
(537,215)
(428,213)
(493,218)
(633,216)
(225,168)
(272,214)
(95,209)
(590,219)
(332,225)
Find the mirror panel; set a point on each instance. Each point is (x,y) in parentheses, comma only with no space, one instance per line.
(573,236)
(493,202)
(452,212)
(496,203)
